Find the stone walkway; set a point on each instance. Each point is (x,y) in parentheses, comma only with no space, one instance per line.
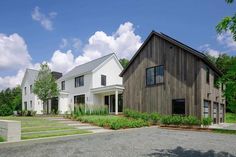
(79,125)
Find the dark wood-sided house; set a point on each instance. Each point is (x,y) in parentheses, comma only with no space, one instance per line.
(169,77)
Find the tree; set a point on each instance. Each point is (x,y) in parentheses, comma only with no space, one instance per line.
(229,79)
(10,100)
(228,23)
(124,62)
(45,86)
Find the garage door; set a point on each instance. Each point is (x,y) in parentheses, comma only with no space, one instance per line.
(221,113)
(215,112)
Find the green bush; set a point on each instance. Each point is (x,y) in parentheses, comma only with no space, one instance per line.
(83,109)
(5,110)
(190,120)
(206,121)
(180,120)
(152,117)
(113,122)
(26,113)
(1,139)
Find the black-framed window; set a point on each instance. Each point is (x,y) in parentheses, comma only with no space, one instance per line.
(79,81)
(31,89)
(216,81)
(79,99)
(103,80)
(207,75)
(178,106)
(62,85)
(25,90)
(154,75)
(206,108)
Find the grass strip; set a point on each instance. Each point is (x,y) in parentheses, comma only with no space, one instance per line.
(53,134)
(224,131)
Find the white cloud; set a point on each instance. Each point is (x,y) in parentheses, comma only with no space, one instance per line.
(44,20)
(13,52)
(124,42)
(227,40)
(206,48)
(70,43)
(11,81)
(62,61)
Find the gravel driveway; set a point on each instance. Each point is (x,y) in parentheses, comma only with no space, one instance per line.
(149,142)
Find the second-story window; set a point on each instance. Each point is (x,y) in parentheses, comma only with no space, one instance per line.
(103,80)
(62,85)
(207,75)
(79,81)
(25,91)
(31,89)
(154,75)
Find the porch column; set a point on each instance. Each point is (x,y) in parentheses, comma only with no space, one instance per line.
(116,102)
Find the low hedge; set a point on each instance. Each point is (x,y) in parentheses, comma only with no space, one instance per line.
(152,117)
(180,120)
(113,122)
(1,139)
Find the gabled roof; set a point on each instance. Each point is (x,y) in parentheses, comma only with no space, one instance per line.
(86,68)
(177,43)
(33,74)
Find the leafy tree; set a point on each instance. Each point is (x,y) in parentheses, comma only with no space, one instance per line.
(210,57)
(124,62)
(10,100)
(45,86)
(228,23)
(229,79)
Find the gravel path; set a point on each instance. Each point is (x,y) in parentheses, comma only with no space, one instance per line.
(148,142)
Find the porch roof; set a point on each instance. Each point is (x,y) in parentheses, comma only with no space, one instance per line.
(106,89)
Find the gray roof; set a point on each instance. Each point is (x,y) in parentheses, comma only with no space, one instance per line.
(85,68)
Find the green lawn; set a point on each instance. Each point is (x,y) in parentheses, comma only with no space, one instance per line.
(224,131)
(39,127)
(113,122)
(1,139)
(230,118)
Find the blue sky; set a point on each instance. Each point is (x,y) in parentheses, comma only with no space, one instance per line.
(70,24)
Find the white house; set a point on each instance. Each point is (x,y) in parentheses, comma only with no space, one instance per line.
(94,83)
(30,101)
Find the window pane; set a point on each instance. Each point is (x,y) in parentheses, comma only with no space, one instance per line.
(159,74)
(178,106)
(150,79)
(103,80)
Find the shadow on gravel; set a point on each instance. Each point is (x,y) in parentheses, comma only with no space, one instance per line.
(181,152)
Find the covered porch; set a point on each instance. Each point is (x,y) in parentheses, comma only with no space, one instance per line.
(110,96)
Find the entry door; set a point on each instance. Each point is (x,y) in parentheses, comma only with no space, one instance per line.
(215,113)
(112,103)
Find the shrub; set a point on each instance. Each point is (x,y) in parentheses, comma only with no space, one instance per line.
(5,110)
(83,109)
(113,122)
(179,120)
(152,117)
(190,120)
(1,139)
(27,113)
(206,121)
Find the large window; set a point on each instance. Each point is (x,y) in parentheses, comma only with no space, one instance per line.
(25,91)
(79,99)
(206,108)
(31,89)
(154,75)
(207,75)
(63,85)
(178,106)
(103,80)
(79,81)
